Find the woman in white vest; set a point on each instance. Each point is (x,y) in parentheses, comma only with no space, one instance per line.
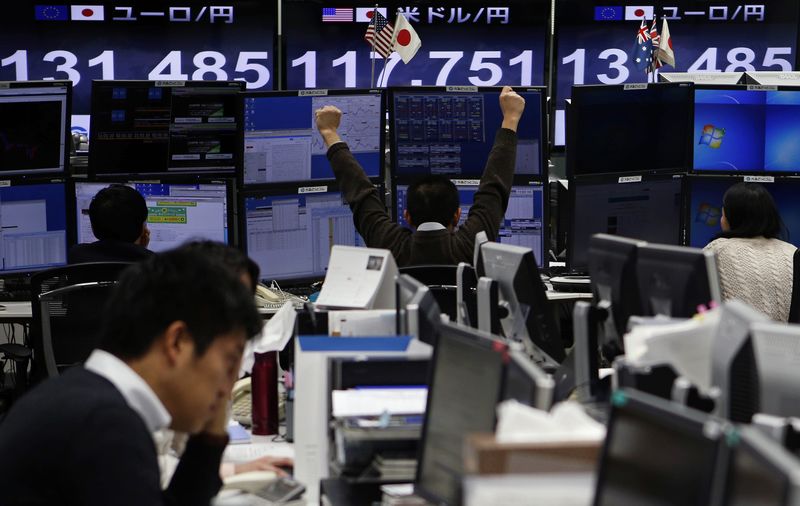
(755,265)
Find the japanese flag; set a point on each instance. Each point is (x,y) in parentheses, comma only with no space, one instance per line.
(87,13)
(405,39)
(364,14)
(666,54)
(637,12)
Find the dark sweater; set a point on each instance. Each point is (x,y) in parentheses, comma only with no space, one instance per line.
(107,251)
(433,247)
(75,441)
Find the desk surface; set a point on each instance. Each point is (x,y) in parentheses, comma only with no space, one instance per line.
(16,311)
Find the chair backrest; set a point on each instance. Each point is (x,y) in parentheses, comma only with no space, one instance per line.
(443,283)
(67,306)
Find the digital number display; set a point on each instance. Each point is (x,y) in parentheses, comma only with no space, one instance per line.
(463,43)
(595,41)
(138,40)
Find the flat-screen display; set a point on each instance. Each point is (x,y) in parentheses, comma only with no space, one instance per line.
(463,43)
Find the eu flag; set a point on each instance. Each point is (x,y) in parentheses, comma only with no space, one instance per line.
(52,13)
(609,13)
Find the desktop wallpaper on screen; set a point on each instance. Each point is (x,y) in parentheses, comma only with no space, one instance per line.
(746,131)
(706,208)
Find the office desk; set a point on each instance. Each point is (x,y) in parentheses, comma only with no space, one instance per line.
(16,312)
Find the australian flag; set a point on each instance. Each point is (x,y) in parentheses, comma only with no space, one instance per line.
(642,54)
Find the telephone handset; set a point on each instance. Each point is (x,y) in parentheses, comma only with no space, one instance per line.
(241,408)
(266,296)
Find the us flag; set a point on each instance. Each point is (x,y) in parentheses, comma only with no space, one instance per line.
(381,30)
(334,15)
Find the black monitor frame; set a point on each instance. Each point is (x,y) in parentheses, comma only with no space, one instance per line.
(486,342)
(71,225)
(737,87)
(16,174)
(281,190)
(544,153)
(230,197)
(94,163)
(658,411)
(611,179)
(573,145)
(311,93)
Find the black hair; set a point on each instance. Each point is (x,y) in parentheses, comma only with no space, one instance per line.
(751,212)
(118,213)
(233,259)
(432,199)
(177,285)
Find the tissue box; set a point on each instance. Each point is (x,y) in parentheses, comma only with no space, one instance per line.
(484,455)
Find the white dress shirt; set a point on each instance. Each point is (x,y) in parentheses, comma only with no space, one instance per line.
(430,226)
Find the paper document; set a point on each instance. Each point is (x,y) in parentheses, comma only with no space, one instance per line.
(566,422)
(354,277)
(276,333)
(376,401)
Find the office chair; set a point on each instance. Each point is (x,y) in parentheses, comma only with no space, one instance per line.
(794,309)
(67,305)
(442,281)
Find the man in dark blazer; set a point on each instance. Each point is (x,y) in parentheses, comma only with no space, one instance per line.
(119,221)
(433,201)
(174,332)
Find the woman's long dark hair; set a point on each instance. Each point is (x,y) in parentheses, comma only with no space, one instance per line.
(751,212)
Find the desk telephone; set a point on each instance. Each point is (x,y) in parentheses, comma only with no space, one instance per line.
(242,407)
(265,296)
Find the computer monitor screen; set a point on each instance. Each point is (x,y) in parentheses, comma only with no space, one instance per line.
(760,473)
(33,226)
(147,127)
(418,312)
(648,209)
(465,387)
(605,132)
(469,43)
(595,40)
(34,127)
(281,141)
(530,320)
(675,281)
(778,366)
(523,224)
(177,212)
(290,233)
(705,207)
(612,269)
(737,129)
(139,39)
(656,453)
(446,132)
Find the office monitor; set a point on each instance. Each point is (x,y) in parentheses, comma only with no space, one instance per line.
(612,270)
(657,453)
(701,77)
(524,223)
(177,212)
(526,382)
(606,134)
(775,348)
(760,472)
(466,385)
(530,320)
(282,144)
(704,201)
(674,280)
(767,78)
(289,231)
(164,127)
(746,129)
(418,312)
(34,226)
(451,130)
(646,208)
(35,127)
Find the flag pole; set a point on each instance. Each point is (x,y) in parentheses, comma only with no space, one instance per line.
(374,36)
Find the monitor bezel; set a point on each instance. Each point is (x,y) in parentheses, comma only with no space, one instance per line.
(475,338)
(164,172)
(230,197)
(311,93)
(618,179)
(570,137)
(281,190)
(738,87)
(544,154)
(44,174)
